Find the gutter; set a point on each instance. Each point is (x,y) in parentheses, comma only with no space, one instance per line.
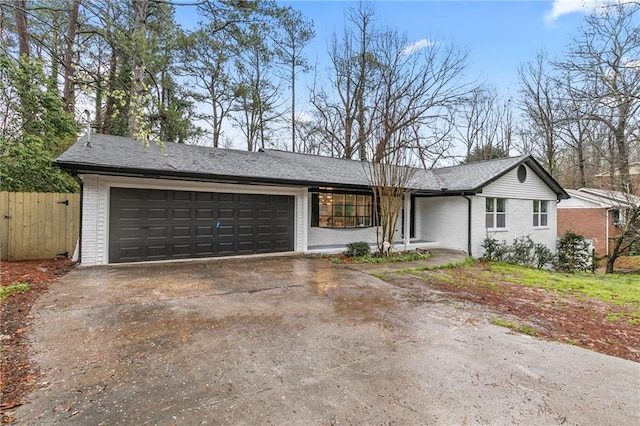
(606,230)
(468,223)
(75,169)
(81,184)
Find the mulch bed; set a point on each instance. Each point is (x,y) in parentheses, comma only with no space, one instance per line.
(17,374)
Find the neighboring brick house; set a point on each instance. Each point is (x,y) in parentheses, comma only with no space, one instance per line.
(596,214)
(603,180)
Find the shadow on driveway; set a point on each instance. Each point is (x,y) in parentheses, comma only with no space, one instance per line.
(297,340)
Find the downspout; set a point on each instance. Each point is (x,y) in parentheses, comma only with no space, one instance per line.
(468,224)
(606,231)
(81,184)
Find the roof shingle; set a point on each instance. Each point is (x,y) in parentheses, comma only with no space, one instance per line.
(116,154)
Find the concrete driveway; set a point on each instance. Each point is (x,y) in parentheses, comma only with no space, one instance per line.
(296,340)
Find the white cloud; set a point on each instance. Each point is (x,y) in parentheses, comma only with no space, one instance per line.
(417,45)
(563,7)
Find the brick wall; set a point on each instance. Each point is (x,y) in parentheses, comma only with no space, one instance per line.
(587,222)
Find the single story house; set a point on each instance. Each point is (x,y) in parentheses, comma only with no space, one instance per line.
(184,201)
(596,214)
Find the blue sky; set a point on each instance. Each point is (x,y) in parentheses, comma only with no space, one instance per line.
(498,35)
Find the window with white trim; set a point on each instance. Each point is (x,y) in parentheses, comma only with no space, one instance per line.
(619,218)
(540,214)
(496,213)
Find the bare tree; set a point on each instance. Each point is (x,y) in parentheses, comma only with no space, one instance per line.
(390,179)
(604,71)
(628,211)
(540,105)
(413,88)
(337,106)
(405,89)
(485,125)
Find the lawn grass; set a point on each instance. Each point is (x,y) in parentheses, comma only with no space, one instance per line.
(513,326)
(620,289)
(5,291)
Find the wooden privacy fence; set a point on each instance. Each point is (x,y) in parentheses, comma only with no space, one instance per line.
(37,225)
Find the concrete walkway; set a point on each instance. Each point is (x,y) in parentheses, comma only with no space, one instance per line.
(438,257)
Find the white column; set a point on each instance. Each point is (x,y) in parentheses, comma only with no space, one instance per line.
(407,217)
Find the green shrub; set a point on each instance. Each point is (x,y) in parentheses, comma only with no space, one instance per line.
(494,250)
(543,256)
(574,253)
(523,252)
(357,249)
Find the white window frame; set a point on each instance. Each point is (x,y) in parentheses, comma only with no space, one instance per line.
(495,213)
(539,214)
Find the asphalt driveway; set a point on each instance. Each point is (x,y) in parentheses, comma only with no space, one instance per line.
(297,340)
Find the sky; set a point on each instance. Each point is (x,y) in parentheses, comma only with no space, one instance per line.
(498,35)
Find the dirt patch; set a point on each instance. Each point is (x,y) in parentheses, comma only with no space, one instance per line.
(604,327)
(17,374)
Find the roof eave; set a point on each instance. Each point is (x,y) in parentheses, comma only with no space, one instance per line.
(83,168)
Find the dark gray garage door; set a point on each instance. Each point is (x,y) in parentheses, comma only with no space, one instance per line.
(149,224)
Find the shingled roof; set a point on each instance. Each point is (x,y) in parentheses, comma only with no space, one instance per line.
(118,155)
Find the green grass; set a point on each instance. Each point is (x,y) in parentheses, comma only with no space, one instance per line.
(620,289)
(513,326)
(5,291)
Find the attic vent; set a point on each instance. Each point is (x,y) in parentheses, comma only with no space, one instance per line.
(522,173)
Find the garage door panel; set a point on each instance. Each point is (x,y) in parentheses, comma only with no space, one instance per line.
(181,214)
(178,232)
(246,230)
(129,214)
(205,196)
(129,194)
(130,253)
(156,213)
(247,214)
(157,232)
(157,195)
(225,198)
(246,198)
(161,224)
(204,231)
(181,250)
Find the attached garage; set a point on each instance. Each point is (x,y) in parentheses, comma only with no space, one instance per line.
(154,224)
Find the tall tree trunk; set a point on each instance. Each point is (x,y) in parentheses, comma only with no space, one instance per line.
(98,102)
(112,84)
(20,11)
(69,93)
(214,115)
(293,104)
(137,74)
(624,180)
